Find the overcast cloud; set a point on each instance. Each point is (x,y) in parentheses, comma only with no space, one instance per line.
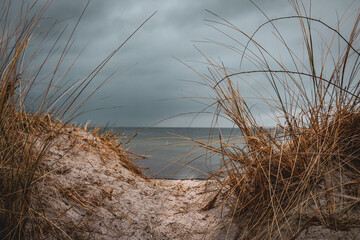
(156,87)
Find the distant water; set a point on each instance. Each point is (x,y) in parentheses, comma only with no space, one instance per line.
(173,157)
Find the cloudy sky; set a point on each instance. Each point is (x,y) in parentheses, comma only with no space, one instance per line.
(153,84)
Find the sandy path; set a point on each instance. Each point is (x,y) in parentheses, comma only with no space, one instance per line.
(87,193)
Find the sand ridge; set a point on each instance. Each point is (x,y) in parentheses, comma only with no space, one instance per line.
(87,193)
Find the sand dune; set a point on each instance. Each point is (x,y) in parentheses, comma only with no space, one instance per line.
(87,193)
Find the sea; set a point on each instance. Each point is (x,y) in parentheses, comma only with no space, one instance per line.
(171,153)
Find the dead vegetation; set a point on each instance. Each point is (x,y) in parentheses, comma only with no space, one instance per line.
(30,124)
(305,172)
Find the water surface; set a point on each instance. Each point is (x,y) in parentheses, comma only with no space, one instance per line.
(170,155)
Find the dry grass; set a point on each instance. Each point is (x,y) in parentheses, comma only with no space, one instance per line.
(25,136)
(307,171)
(113,140)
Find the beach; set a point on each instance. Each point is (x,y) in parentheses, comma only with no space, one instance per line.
(88,193)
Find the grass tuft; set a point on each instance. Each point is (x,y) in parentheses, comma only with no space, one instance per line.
(306,171)
(28,127)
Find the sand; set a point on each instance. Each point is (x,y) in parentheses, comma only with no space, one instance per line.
(87,193)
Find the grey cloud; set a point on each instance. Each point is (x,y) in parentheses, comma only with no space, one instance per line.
(157,75)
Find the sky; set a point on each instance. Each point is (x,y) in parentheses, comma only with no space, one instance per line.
(152,85)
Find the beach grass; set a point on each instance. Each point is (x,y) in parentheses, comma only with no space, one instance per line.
(306,170)
(29,123)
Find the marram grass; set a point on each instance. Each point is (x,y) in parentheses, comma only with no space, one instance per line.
(25,135)
(307,171)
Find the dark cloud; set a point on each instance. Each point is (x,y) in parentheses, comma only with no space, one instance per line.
(157,75)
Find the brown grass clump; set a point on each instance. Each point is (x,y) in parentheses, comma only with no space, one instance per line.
(25,136)
(306,171)
(112,142)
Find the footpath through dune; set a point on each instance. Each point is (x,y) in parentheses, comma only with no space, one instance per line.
(87,192)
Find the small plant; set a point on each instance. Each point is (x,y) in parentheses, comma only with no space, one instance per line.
(307,170)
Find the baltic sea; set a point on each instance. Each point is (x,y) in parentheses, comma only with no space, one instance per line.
(171,155)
